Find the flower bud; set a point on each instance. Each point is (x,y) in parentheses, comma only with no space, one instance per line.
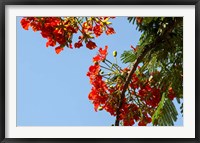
(114,53)
(150,78)
(100,108)
(111,86)
(96,63)
(102,72)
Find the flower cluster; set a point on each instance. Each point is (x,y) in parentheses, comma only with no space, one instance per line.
(106,93)
(102,95)
(60,30)
(150,95)
(141,98)
(98,93)
(129,113)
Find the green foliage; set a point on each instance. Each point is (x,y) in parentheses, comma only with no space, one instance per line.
(165,114)
(164,37)
(131,20)
(128,57)
(181,109)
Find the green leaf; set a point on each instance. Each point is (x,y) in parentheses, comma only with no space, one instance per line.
(128,56)
(147,20)
(158,111)
(166,113)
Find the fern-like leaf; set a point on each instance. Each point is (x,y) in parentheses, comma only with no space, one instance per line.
(165,114)
(128,56)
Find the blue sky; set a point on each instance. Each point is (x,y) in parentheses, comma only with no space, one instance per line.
(52,90)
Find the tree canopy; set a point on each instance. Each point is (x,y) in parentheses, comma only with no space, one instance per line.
(144,91)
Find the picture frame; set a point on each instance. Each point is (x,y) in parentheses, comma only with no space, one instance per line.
(3,5)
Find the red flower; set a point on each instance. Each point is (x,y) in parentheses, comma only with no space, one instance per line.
(25,23)
(60,39)
(102,55)
(139,20)
(58,49)
(128,122)
(145,120)
(171,94)
(97,30)
(109,107)
(72,29)
(36,26)
(61,30)
(78,44)
(103,52)
(93,70)
(70,46)
(86,27)
(97,58)
(151,95)
(110,31)
(142,123)
(45,33)
(91,45)
(98,94)
(50,42)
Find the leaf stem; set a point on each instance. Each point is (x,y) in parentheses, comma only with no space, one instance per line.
(107,68)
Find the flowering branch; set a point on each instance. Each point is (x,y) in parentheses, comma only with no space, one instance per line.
(135,65)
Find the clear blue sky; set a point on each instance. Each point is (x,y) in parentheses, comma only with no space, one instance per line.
(52,90)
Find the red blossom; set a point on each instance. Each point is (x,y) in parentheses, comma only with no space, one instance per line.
(110,31)
(61,30)
(144,120)
(25,23)
(171,94)
(58,49)
(50,42)
(86,27)
(139,20)
(97,30)
(151,95)
(78,44)
(101,56)
(91,45)
(142,123)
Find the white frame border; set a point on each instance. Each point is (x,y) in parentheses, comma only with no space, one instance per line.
(187,131)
